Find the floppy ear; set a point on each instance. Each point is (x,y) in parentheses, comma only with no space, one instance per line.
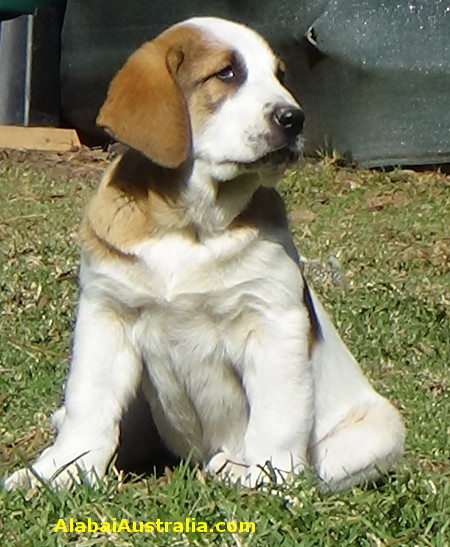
(145,108)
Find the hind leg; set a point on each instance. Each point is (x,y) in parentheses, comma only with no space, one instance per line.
(368,439)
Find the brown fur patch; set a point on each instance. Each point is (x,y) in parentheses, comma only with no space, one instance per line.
(166,86)
(146,110)
(135,200)
(203,58)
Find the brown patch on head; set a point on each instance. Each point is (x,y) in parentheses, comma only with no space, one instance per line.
(166,87)
(213,78)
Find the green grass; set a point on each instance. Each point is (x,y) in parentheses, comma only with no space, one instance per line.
(390,234)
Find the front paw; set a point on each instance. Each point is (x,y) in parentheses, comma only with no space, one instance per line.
(60,470)
(232,469)
(227,466)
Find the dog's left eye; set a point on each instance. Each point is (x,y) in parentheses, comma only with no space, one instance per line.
(226,74)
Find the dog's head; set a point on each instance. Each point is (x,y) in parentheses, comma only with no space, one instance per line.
(209,90)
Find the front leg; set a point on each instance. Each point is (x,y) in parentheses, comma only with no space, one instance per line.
(104,374)
(277,378)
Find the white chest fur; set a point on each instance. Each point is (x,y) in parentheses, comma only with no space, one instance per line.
(178,265)
(197,305)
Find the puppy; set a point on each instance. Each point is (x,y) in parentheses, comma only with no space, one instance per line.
(191,289)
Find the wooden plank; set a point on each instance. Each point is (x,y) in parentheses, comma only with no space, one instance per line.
(38,138)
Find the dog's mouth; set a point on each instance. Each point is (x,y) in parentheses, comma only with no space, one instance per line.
(272,162)
(282,156)
(279,158)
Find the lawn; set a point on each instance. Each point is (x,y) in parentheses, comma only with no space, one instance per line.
(379,248)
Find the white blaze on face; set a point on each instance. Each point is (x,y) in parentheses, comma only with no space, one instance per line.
(240,131)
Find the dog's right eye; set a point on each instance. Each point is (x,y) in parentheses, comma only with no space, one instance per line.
(226,74)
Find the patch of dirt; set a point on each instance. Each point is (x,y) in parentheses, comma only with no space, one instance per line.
(84,163)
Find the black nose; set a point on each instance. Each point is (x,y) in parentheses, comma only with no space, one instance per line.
(290,119)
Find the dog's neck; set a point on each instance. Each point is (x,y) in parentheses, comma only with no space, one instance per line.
(214,205)
(186,196)
(139,200)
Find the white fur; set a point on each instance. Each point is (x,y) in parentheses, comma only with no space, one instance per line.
(215,331)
